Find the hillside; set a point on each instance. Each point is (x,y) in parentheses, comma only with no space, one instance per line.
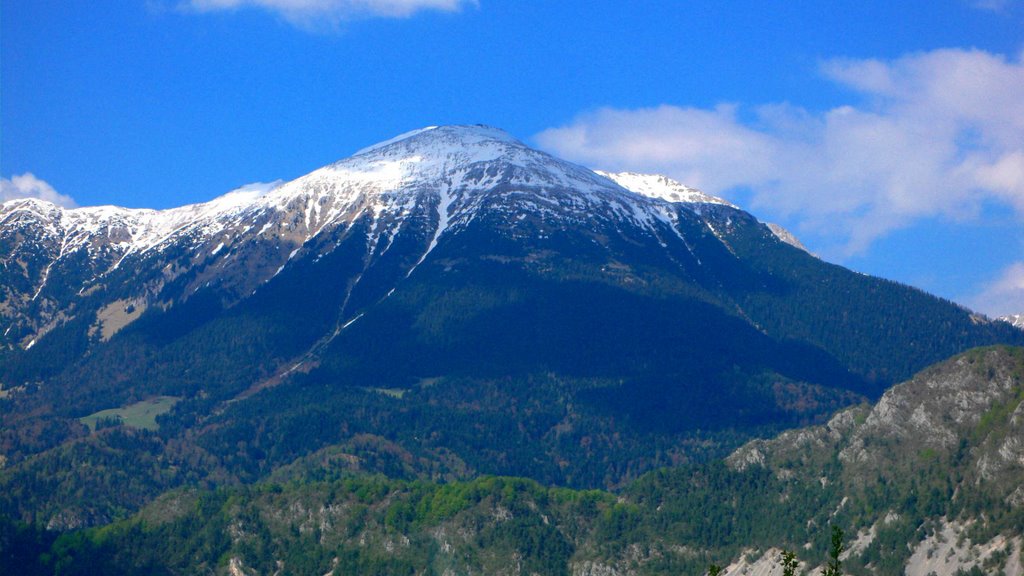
(935,464)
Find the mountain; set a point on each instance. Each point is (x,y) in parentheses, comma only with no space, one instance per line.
(419,184)
(1014,319)
(442,305)
(925,481)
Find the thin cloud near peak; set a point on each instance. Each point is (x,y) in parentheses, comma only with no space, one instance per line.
(1004,295)
(28,186)
(992,5)
(312,12)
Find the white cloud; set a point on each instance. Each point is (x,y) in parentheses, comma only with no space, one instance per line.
(1005,295)
(936,134)
(28,186)
(258,188)
(704,148)
(330,12)
(992,5)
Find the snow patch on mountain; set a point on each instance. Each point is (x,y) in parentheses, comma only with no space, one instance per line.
(131,229)
(663,187)
(786,236)
(1014,319)
(443,206)
(390,141)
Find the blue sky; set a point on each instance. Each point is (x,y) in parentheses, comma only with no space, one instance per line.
(889,136)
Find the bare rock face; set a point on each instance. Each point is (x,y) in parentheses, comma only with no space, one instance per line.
(949,551)
(963,417)
(938,407)
(787,236)
(932,412)
(596,569)
(767,564)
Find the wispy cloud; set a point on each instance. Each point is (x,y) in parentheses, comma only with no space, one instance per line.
(1005,295)
(936,134)
(28,186)
(314,13)
(992,5)
(257,188)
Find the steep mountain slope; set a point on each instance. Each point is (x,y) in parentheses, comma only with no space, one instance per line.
(1014,319)
(941,454)
(441,305)
(926,481)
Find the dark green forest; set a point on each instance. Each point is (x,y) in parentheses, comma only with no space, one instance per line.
(677,520)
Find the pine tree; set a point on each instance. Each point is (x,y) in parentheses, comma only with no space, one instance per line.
(789,563)
(834,564)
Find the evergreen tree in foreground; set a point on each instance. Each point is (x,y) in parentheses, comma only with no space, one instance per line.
(834,564)
(789,563)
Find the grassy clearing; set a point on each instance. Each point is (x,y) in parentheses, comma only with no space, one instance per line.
(392,392)
(139,415)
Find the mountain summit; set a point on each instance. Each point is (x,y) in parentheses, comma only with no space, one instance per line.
(445,303)
(422,185)
(440,176)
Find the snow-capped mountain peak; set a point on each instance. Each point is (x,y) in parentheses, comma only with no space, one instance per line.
(663,187)
(433,140)
(415,189)
(447,170)
(390,141)
(1014,319)
(446,151)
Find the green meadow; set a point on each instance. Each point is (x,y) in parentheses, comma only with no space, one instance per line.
(139,415)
